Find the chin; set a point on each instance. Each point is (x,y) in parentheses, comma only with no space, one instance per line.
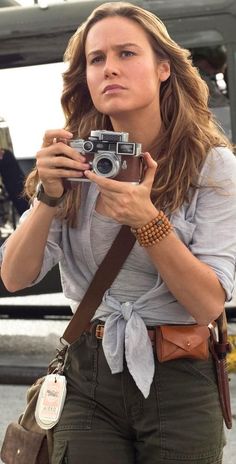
(117,110)
(114,106)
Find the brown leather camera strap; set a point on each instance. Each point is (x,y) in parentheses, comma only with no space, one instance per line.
(102,280)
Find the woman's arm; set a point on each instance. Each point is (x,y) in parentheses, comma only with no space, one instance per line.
(193,283)
(24,250)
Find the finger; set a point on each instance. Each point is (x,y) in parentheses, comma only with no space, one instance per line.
(61,148)
(151,167)
(69,163)
(106,183)
(62,162)
(50,136)
(47,174)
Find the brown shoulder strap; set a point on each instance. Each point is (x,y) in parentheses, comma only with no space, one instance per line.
(102,280)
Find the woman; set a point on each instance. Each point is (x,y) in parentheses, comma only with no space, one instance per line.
(126,74)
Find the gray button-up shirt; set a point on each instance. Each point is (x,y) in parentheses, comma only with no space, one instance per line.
(138,296)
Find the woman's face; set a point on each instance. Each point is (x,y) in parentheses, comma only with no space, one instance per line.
(123,73)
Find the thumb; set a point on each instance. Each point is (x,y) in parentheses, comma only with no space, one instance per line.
(150,170)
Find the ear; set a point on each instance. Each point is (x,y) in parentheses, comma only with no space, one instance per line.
(164,70)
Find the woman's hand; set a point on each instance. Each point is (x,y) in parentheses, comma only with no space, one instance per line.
(127,203)
(57,160)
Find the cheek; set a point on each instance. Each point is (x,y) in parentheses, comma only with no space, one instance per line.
(91,83)
(145,75)
(149,85)
(93,90)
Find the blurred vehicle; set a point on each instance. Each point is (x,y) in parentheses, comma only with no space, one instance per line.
(7,214)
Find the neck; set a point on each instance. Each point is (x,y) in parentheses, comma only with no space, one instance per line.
(146,134)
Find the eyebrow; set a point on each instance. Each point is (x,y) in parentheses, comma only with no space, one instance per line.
(115,47)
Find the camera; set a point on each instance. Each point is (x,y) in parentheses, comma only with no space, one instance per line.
(110,154)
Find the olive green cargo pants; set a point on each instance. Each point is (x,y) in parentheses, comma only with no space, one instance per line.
(106,419)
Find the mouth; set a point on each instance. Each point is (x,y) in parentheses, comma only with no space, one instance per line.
(112,88)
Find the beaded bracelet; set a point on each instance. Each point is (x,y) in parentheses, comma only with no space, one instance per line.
(154,231)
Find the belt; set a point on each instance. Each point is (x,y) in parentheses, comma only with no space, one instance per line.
(99,332)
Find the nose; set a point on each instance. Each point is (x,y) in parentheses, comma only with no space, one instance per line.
(110,68)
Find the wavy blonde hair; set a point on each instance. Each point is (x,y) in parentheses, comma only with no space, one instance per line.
(188,127)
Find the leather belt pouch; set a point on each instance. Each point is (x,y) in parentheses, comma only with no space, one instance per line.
(182,341)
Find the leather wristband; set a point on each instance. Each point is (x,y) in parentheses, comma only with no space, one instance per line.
(44,198)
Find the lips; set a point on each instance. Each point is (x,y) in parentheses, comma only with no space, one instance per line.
(112,87)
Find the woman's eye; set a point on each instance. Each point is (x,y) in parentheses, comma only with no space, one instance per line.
(127,53)
(96,59)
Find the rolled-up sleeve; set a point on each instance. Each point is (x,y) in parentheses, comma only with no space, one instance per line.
(53,252)
(214,237)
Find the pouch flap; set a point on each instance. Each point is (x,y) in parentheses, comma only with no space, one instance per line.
(185,337)
(20,445)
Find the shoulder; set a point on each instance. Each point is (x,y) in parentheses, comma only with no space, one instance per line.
(222,156)
(220,164)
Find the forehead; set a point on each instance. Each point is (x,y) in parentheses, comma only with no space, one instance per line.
(115,30)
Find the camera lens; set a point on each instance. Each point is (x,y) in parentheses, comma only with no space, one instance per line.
(106,164)
(88,146)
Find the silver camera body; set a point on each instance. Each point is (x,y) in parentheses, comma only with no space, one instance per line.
(110,154)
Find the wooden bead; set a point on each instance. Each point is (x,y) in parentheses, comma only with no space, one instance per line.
(154,231)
